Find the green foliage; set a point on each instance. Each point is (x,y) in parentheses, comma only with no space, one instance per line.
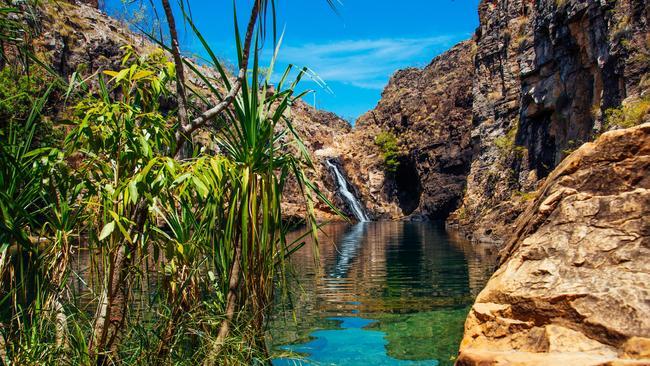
(628,115)
(389,146)
(507,147)
(19,92)
(526,196)
(174,249)
(196,224)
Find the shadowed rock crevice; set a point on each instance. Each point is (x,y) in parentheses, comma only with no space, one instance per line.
(407,184)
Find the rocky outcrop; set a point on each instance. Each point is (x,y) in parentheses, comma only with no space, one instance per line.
(79,37)
(573,286)
(545,73)
(429,112)
(318,130)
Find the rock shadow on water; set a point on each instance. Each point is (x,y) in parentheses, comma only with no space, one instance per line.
(352,345)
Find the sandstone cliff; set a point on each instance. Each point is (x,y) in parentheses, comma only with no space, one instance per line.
(545,72)
(485,123)
(573,285)
(429,111)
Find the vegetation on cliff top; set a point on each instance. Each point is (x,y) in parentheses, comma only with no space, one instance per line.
(628,115)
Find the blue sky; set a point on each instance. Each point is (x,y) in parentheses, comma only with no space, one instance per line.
(355,51)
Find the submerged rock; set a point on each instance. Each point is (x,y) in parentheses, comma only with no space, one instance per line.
(573,286)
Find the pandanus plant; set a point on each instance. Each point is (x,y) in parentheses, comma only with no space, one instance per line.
(122,189)
(243,213)
(222,214)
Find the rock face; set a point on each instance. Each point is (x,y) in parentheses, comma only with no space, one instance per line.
(81,38)
(429,111)
(573,286)
(486,122)
(545,73)
(318,130)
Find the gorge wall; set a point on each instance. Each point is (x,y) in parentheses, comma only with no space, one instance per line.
(429,112)
(545,74)
(483,125)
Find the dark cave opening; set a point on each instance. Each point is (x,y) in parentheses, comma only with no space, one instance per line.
(409,188)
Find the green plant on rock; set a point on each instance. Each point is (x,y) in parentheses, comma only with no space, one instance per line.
(525,196)
(627,115)
(389,146)
(507,147)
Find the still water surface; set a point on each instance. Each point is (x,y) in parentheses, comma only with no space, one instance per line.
(383,293)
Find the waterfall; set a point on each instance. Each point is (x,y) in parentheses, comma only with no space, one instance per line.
(353,202)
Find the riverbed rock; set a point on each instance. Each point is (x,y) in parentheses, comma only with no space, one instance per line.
(573,286)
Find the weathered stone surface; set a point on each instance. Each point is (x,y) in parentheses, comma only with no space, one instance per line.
(546,71)
(573,286)
(81,38)
(318,130)
(429,111)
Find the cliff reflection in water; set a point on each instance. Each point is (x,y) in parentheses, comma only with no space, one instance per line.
(376,270)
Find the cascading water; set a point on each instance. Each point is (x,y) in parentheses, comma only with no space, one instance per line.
(353,202)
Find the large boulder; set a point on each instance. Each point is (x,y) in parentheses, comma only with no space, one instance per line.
(573,286)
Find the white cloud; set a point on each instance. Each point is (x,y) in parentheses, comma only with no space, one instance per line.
(363,63)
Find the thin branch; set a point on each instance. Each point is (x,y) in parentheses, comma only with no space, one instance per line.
(200,121)
(178,62)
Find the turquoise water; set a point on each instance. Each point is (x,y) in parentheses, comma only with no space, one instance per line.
(383,293)
(351,345)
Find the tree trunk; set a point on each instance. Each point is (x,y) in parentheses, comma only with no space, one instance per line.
(111,311)
(112,306)
(231,306)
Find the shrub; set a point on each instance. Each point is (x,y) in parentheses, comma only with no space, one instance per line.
(388,144)
(627,115)
(18,94)
(506,145)
(525,196)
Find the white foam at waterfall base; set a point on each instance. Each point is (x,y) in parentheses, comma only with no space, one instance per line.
(353,202)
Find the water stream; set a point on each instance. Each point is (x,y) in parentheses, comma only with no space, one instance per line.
(382,293)
(350,198)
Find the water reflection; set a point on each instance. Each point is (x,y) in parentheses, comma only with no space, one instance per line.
(348,250)
(396,273)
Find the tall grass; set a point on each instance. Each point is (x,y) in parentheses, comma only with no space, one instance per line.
(117,250)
